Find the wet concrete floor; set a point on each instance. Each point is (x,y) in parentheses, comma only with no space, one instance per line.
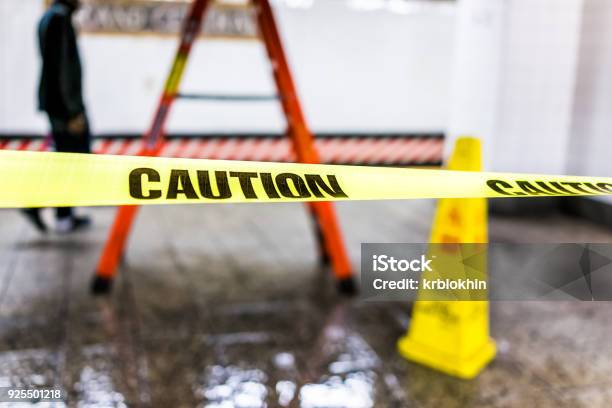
(225,306)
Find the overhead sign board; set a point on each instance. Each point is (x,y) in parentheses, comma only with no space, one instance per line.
(225,19)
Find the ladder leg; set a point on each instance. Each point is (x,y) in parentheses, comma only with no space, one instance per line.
(324,258)
(334,246)
(113,249)
(153,142)
(303,144)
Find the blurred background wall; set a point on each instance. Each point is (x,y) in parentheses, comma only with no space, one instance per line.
(358,68)
(532,78)
(591,144)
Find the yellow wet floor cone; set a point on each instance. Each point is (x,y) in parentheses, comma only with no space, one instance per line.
(452,336)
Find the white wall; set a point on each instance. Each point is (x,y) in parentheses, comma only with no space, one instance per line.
(539,70)
(592,113)
(356,71)
(591,144)
(476,80)
(18,67)
(533,79)
(515,75)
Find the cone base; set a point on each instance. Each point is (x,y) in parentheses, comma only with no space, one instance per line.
(462,367)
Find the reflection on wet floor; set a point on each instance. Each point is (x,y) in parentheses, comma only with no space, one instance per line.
(339,373)
(234,387)
(95,386)
(226,307)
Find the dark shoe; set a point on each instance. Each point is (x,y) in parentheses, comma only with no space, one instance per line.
(33,215)
(67,225)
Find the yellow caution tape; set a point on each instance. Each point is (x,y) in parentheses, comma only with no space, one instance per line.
(33,179)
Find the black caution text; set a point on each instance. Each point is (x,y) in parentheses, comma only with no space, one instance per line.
(146,184)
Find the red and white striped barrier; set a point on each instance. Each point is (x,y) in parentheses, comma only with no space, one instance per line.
(365,150)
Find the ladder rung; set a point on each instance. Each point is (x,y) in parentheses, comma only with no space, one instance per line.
(228,97)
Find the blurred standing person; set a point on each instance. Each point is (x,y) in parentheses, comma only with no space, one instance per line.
(60,96)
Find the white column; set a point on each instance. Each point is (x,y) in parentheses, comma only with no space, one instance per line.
(476,73)
(591,133)
(591,138)
(540,59)
(514,80)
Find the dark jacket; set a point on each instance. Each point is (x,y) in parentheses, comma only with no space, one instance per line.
(60,90)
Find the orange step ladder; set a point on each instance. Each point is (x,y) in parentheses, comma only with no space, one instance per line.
(332,250)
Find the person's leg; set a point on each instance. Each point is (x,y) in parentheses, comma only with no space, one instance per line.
(85,139)
(67,221)
(63,212)
(68,142)
(63,142)
(33,215)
